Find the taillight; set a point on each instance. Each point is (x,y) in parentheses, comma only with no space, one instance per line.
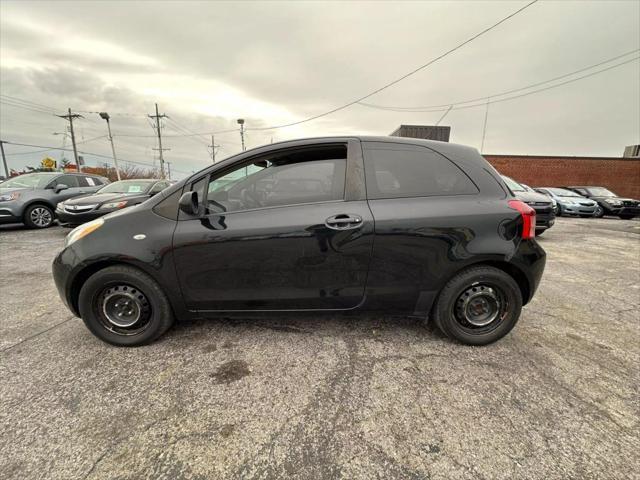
(528,218)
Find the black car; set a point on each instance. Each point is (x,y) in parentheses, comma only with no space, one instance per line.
(609,203)
(325,225)
(543,205)
(114,196)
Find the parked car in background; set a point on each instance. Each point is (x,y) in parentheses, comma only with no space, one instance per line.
(553,200)
(545,214)
(427,228)
(609,203)
(569,202)
(110,198)
(32,198)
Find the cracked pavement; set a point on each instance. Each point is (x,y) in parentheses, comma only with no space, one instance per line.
(330,396)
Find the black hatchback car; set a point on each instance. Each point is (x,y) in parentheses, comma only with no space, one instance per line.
(326,225)
(609,203)
(115,196)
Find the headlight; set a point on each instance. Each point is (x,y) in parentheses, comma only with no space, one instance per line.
(83,230)
(60,206)
(615,203)
(7,197)
(111,206)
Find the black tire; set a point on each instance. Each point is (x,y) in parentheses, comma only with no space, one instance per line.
(448,316)
(117,283)
(626,217)
(540,232)
(599,213)
(585,216)
(38,215)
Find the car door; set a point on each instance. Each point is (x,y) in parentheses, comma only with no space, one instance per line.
(70,181)
(289,229)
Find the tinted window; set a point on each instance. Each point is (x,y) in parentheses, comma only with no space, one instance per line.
(168,207)
(87,182)
(287,178)
(399,171)
(70,181)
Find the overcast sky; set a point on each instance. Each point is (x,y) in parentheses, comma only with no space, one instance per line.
(209,63)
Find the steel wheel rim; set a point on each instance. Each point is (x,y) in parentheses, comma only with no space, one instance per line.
(41,216)
(124,309)
(480,308)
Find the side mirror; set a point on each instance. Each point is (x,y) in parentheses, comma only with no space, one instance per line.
(189,203)
(59,187)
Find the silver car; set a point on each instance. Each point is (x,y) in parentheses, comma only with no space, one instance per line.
(32,198)
(570,203)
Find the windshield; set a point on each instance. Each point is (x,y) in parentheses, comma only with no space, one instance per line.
(30,180)
(601,192)
(513,185)
(128,186)
(561,192)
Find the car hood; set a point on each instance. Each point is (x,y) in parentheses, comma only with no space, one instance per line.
(99,198)
(619,199)
(529,197)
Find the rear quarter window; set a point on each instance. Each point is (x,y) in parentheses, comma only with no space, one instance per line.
(397,171)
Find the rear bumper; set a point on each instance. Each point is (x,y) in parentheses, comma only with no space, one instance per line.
(531,260)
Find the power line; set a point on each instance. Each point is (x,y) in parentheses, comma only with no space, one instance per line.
(484,97)
(48,147)
(24,107)
(397,80)
(480,104)
(28,102)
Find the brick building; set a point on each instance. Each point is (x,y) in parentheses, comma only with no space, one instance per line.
(619,174)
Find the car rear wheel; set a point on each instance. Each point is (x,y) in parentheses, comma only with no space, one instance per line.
(124,306)
(626,217)
(38,216)
(478,306)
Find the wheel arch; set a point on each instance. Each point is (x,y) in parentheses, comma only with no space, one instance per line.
(83,275)
(38,201)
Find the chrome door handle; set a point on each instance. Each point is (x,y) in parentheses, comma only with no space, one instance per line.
(344,222)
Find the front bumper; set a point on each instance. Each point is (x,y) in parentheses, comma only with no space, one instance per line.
(10,212)
(573,209)
(74,219)
(545,218)
(61,269)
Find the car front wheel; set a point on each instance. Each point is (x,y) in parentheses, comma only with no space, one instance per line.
(38,216)
(124,306)
(478,306)
(599,213)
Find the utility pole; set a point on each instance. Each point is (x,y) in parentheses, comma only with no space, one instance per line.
(241,123)
(4,159)
(484,127)
(105,116)
(213,147)
(70,117)
(169,170)
(157,117)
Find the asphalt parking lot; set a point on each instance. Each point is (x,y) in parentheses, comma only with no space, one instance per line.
(330,396)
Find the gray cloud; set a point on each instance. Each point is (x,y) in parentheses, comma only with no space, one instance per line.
(307,57)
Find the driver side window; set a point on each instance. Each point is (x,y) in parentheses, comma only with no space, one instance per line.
(308,175)
(68,180)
